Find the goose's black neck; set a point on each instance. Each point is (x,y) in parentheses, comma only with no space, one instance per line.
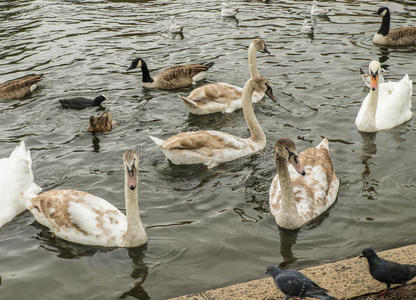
(385,25)
(145,73)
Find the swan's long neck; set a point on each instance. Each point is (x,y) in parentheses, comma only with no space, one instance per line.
(257,134)
(288,211)
(252,61)
(145,73)
(385,25)
(370,111)
(135,234)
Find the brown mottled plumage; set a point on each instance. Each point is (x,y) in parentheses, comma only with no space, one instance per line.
(173,77)
(19,87)
(100,123)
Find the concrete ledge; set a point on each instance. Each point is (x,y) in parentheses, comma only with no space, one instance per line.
(344,279)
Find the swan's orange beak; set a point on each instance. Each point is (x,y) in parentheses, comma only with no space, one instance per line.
(374,81)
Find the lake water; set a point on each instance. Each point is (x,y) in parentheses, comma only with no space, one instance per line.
(206,228)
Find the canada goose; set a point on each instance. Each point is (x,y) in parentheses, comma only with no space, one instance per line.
(173,77)
(16,183)
(227,10)
(402,36)
(83,218)
(304,189)
(79,103)
(306,28)
(100,123)
(174,28)
(19,87)
(366,78)
(224,97)
(213,147)
(316,11)
(386,105)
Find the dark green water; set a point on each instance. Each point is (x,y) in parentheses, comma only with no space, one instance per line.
(206,228)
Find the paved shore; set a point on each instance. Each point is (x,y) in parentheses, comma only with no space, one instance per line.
(345,279)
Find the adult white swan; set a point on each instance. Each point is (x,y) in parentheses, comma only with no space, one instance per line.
(83,218)
(213,147)
(386,105)
(304,189)
(224,97)
(16,183)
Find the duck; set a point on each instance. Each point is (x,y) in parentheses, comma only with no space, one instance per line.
(306,28)
(172,77)
(100,123)
(79,103)
(212,147)
(19,87)
(303,189)
(223,97)
(227,10)
(83,218)
(387,105)
(402,36)
(316,11)
(16,183)
(366,78)
(174,28)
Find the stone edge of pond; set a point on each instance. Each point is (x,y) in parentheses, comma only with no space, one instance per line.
(344,279)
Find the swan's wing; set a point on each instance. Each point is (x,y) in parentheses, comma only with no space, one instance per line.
(394,103)
(317,190)
(202,141)
(80,217)
(219,92)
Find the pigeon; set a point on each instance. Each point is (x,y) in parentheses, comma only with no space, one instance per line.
(294,284)
(79,103)
(388,272)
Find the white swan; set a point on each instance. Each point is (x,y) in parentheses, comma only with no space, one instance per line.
(386,105)
(304,189)
(16,183)
(224,97)
(173,27)
(227,10)
(83,218)
(306,28)
(213,147)
(316,11)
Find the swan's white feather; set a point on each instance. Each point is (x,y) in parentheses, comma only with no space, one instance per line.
(16,183)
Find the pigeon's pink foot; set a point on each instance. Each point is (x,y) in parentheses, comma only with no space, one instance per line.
(383,292)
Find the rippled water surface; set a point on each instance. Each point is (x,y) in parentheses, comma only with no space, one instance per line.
(206,228)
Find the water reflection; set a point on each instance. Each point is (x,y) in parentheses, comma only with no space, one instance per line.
(177,36)
(287,240)
(368,150)
(139,274)
(95,143)
(384,56)
(63,249)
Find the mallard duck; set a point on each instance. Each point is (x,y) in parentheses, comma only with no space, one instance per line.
(213,147)
(100,123)
(19,87)
(303,189)
(16,183)
(173,77)
(173,27)
(316,11)
(386,105)
(79,103)
(402,36)
(83,218)
(224,97)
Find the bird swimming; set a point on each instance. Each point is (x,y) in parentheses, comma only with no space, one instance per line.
(19,87)
(79,103)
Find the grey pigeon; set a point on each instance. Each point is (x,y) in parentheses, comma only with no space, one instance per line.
(294,284)
(388,272)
